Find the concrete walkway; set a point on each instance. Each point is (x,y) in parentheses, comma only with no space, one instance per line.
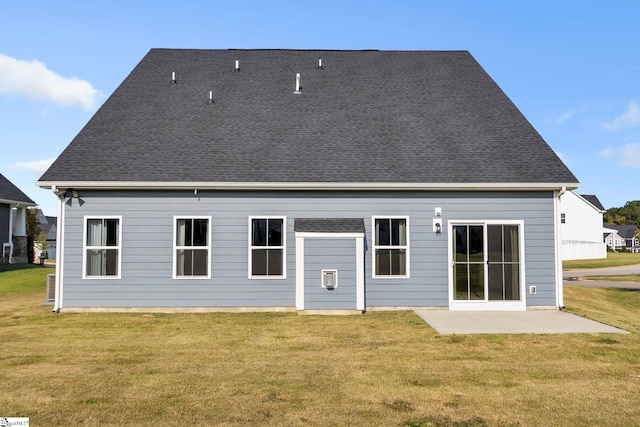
(512,322)
(533,321)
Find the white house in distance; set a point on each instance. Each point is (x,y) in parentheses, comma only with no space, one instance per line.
(623,237)
(13,225)
(612,239)
(581,227)
(47,225)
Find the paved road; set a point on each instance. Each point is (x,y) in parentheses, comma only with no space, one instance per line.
(577,276)
(608,271)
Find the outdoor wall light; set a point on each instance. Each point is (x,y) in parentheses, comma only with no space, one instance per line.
(437,226)
(70,192)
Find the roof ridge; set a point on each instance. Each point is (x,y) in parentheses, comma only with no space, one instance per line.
(308,50)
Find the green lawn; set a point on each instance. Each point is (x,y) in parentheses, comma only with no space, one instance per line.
(22,278)
(614,259)
(268,369)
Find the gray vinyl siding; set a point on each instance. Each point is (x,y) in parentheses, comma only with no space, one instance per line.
(147,245)
(5,211)
(331,254)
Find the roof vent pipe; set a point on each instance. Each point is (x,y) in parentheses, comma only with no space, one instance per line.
(320,64)
(173,77)
(237,65)
(297,91)
(210,97)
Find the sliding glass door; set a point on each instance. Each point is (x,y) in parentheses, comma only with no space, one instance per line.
(485,263)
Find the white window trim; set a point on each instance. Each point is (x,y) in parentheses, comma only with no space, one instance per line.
(487,305)
(283,247)
(85,247)
(406,247)
(176,247)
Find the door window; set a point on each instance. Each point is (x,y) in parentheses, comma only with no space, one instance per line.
(486,262)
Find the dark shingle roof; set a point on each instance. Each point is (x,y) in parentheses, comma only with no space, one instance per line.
(593,199)
(329,225)
(625,231)
(366,117)
(10,192)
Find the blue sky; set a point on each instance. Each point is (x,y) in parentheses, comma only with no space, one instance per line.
(571,67)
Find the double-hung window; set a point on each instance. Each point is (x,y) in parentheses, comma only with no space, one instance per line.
(391,246)
(102,250)
(267,247)
(192,246)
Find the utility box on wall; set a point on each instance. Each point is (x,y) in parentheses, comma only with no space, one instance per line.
(51,288)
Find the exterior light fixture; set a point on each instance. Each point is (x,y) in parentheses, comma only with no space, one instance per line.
(437,226)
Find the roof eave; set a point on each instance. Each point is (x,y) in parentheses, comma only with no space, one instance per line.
(362,186)
(591,205)
(18,203)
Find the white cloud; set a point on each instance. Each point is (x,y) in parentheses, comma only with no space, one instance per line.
(566,116)
(34,80)
(627,155)
(37,166)
(607,153)
(630,155)
(573,112)
(628,119)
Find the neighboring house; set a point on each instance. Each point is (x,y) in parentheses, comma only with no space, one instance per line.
(581,227)
(13,224)
(308,180)
(612,239)
(48,225)
(627,237)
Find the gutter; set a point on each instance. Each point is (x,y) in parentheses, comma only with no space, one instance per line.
(395,186)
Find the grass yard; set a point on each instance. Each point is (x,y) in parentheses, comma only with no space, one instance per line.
(20,278)
(380,369)
(614,259)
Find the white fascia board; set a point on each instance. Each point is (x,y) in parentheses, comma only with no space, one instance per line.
(324,235)
(17,204)
(409,186)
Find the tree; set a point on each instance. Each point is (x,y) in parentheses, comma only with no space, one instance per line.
(41,242)
(33,228)
(629,214)
(612,218)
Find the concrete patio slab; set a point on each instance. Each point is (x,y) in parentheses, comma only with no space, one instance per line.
(512,322)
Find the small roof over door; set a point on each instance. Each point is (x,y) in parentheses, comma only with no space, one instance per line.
(329,225)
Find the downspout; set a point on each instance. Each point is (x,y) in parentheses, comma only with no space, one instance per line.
(57,305)
(10,234)
(558,237)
